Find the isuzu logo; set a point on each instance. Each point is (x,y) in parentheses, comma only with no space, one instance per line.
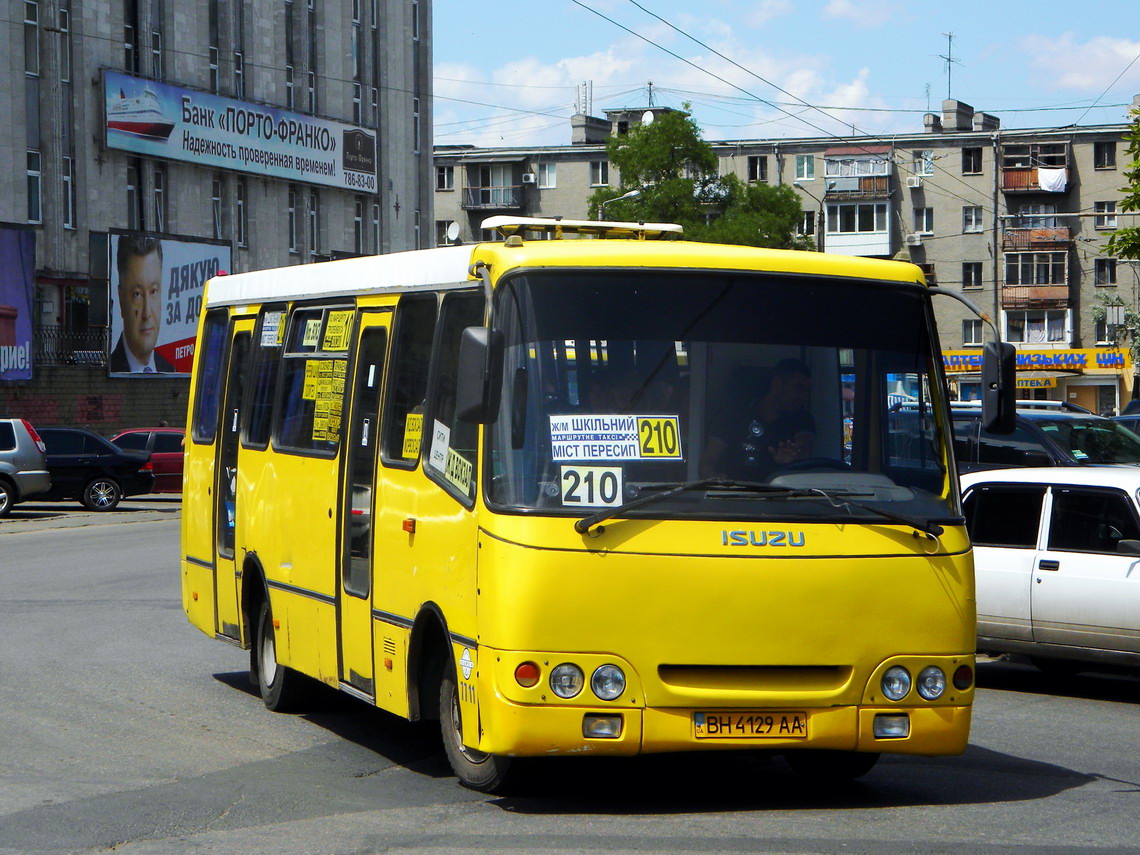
(740,537)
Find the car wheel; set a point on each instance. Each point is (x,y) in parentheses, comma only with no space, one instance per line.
(475,769)
(282,689)
(7,497)
(831,766)
(102,494)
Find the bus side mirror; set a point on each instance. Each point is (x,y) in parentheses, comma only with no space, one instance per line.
(479,375)
(998,387)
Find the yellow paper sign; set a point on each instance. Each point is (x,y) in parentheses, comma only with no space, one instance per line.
(413,429)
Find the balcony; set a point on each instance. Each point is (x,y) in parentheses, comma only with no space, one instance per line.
(55,345)
(861,187)
(1035,239)
(493,197)
(1034,179)
(1035,296)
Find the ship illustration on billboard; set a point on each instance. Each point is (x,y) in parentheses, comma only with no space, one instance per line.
(141,116)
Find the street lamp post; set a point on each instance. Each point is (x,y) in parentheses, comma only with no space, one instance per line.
(631,194)
(819,220)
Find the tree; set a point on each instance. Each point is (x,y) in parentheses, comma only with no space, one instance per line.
(673,171)
(1125,242)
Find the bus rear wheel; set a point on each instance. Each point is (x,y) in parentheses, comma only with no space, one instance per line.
(475,769)
(282,688)
(833,766)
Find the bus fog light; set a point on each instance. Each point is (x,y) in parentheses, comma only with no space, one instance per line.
(931,683)
(608,682)
(527,674)
(601,726)
(567,680)
(891,726)
(963,677)
(896,683)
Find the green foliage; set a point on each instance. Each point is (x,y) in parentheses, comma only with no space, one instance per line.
(674,171)
(1125,242)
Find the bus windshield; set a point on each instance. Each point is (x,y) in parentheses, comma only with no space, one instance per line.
(623,383)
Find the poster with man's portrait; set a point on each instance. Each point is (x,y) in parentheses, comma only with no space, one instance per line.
(156,289)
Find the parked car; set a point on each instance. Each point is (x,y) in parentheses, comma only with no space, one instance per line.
(87,467)
(1046,433)
(1057,563)
(165,445)
(1131,422)
(23,470)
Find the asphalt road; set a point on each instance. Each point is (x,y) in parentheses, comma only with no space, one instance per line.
(126,730)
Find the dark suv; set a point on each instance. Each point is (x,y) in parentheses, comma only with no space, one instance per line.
(87,467)
(1046,433)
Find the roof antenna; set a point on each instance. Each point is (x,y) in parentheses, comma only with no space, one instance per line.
(949,57)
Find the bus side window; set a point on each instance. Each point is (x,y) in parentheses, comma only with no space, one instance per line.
(209,375)
(258,407)
(413,330)
(450,452)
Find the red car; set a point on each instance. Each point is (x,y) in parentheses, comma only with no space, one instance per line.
(165,445)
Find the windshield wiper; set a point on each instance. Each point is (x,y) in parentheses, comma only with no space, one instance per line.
(836,499)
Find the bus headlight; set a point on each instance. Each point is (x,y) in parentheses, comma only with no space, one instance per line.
(896,683)
(608,682)
(931,682)
(566,680)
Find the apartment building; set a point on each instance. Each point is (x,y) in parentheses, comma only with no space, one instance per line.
(240,134)
(1015,220)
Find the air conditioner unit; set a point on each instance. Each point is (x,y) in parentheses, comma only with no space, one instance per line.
(528,178)
(914,181)
(914,240)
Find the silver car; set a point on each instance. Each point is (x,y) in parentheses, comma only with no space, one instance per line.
(23,471)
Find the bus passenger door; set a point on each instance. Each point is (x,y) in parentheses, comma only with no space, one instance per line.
(358,503)
(227,587)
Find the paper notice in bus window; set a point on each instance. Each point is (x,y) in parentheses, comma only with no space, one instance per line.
(337,330)
(591,486)
(413,429)
(312,379)
(271,329)
(440,443)
(615,437)
(458,471)
(340,366)
(312,332)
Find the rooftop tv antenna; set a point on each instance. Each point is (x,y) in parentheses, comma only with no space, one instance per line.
(950,61)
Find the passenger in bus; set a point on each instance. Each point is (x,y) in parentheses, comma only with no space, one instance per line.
(138,261)
(777,429)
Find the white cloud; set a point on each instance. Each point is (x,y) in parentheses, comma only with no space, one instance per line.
(863,13)
(1091,65)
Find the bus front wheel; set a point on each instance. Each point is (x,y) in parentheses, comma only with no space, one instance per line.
(282,688)
(475,769)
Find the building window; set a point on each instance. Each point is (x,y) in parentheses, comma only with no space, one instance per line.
(971,274)
(415,20)
(1036,268)
(239,74)
(445,178)
(65,44)
(547,176)
(216,205)
(856,167)
(441,238)
(861,217)
(1105,215)
(972,161)
(290,98)
(416,237)
(923,162)
(68,193)
(757,168)
(134,195)
(312,90)
(1036,327)
(806,226)
(805,167)
(416,124)
(130,36)
(924,221)
(31,38)
(971,218)
(314,222)
(156,52)
(35,194)
(357,115)
(1104,155)
(242,219)
(213,15)
(159,197)
(1103,332)
(376,227)
(599,173)
(972,332)
(358,226)
(1104,271)
(292,225)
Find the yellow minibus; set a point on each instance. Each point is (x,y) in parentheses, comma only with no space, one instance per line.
(588,489)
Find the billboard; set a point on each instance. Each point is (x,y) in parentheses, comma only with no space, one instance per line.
(156,119)
(17,285)
(156,292)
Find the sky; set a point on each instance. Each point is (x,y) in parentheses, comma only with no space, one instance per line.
(761,69)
